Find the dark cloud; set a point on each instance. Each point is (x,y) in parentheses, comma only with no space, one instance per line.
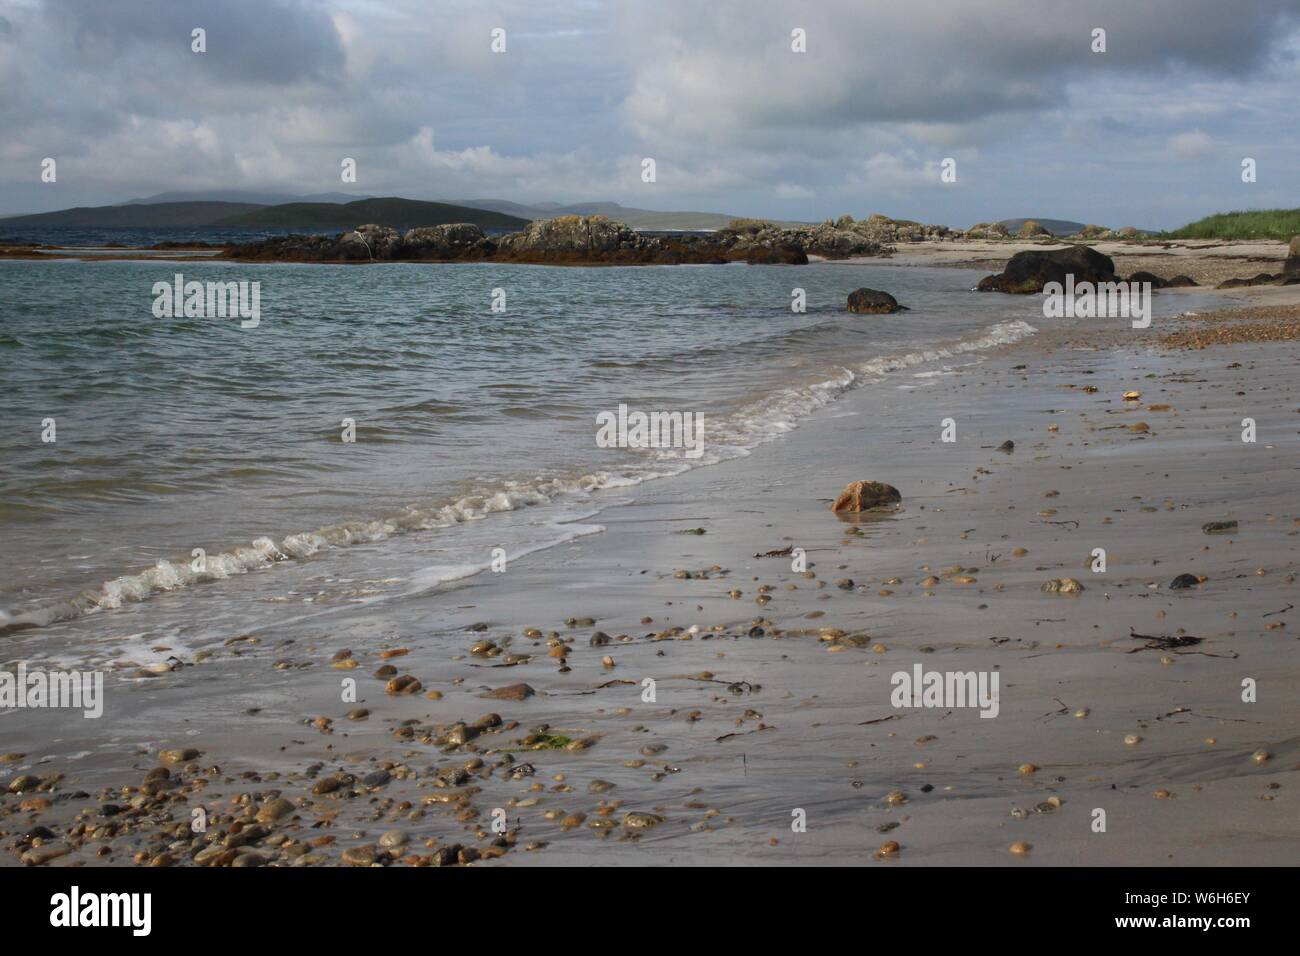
(248,41)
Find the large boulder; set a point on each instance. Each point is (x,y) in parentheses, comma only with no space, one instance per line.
(1151,277)
(451,241)
(590,236)
(987,230)
(1292,264)
(1092,231)
(872,302)
(1032,229)
(373,241)
(865,496)
(1027,272)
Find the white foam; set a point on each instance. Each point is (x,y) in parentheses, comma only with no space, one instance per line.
(730,437)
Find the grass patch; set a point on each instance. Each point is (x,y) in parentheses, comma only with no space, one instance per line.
(1279,224)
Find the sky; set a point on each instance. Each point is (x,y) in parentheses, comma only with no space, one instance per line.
(1151,132)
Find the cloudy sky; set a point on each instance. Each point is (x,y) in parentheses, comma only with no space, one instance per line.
(1151,132)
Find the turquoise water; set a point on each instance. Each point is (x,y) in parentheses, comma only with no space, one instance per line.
(177,434)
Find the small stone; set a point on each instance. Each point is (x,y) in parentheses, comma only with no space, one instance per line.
(273,810)
(1062,586)
(183,755)
(635,820)
(360,855)
(511,692)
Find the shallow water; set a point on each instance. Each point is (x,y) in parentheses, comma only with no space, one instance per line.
(183,434)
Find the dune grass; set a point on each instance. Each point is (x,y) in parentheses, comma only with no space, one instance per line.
(1246,224)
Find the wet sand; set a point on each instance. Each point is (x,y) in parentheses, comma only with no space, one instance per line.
(764,709)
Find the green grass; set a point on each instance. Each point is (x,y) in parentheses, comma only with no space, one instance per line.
(1248,224)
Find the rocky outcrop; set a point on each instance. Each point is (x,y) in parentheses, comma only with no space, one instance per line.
(1092,231)
(570,240)
(865,496)
(1027,272)
(988,230)
(1292,264)
(885,231)
(374,242)
(1181,282)
(587,238)
(459,240)
(1264,278)
(1031,229)
(1151,277)
(872,302)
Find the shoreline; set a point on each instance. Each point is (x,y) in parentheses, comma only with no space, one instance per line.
(798,716)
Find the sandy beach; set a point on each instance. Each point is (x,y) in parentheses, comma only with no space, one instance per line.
(772,685)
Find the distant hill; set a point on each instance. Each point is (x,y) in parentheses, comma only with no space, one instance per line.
(241,196)
(648,219)
(1246,224)
(391,211)
(1057,227)
(159,215)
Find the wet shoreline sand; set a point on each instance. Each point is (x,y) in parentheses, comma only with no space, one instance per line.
(747,726)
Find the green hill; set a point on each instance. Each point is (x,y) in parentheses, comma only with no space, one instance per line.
(1247,224)
(392,211)
(153,216)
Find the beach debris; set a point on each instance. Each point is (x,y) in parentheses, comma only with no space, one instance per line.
(1132,396)
(1007,447)
(872,302)
(1219,527)
(1062,586)
(777,553)
(691,531)
(864,496)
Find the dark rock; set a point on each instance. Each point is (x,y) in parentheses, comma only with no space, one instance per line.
(1027,272)
(1292,265)
(1219,527)
(1184,581)
(1181,282)
(1155,280)
(872,302)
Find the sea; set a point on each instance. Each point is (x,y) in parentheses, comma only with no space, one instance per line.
(389,428)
